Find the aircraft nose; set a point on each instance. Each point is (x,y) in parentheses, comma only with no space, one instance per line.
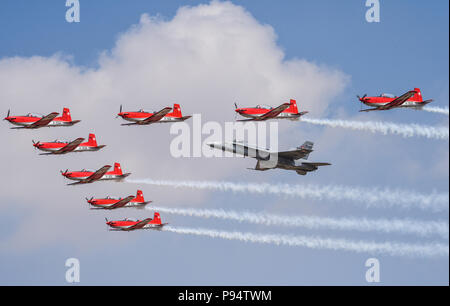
(215,145)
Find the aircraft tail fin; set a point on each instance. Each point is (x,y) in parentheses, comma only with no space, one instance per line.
(293,106)
(117,169)
(139,196)
(177,110)
(156,218)
(66,114)
(308,147)
(92,140)
(417,96)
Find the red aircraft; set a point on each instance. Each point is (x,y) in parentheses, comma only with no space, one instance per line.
(262,112)
(143,117)
(131,225)
(35,121)
(62,147)
(113,203)
(411,99)
(89,176)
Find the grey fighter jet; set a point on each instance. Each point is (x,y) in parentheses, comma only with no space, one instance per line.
(287,160)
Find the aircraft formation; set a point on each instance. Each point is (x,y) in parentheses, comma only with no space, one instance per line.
(266,159)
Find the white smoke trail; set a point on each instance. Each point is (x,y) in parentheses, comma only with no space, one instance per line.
(435,109)
(406,226)
(405,130)
(388,248)
(370,197)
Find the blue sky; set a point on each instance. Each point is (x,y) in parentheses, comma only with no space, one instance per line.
(407,49)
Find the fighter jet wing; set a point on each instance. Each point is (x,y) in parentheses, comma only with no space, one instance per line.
(139,225)
(70,146)
(121,203)
(316,164)
(301,152)
(394,103)
(94,176)
(43,121)
(156,116)
(270,114)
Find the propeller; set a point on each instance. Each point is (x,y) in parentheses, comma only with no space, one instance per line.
(7,116)
(235,113)
(120,110)
(365,95)
(35,144)
(65,172)
(361,98)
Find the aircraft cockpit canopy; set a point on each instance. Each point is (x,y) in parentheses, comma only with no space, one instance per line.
(262,106)
(387,95)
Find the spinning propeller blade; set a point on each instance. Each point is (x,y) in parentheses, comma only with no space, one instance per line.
(120,110)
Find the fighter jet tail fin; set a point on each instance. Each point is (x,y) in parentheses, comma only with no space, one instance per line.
(307,147)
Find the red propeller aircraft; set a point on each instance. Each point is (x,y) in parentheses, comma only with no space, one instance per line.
(113,203)
(262,112)
(411,99)
(35,121)
(89,176)
(143,117)
(62,147)
(131,225)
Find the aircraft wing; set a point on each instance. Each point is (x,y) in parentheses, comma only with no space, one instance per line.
(70,146)
(274,112)
(122,202)
(94,176)
(394,103)
(270,114)
(301,152)
(98,174)
(139,225)
(43,121)
(316,164)
(156,116)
